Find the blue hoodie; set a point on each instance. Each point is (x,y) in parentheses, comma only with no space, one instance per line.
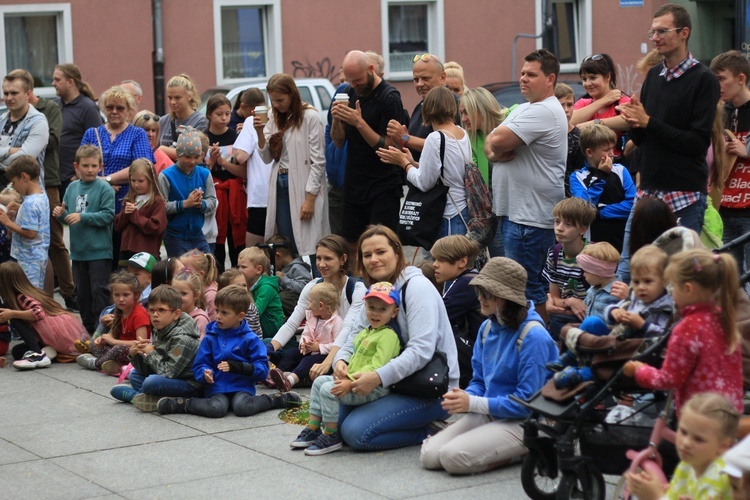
(500,370)
(239,344)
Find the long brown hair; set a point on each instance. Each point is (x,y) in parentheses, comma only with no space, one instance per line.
(284,84)
(13,282)
(72,72)
(393,241)
(338,246)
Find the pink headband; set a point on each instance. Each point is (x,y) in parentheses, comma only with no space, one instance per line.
(595,266)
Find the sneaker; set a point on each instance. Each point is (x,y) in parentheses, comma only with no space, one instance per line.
(167,406)
(306,438)
(123,392)
(87,361)
(111,367)
(325,444)
(567,378)
(82,347)
(285,400)
(146,402)
(280,380)
(554,366)
(32,360)
(50,351)
(71,303)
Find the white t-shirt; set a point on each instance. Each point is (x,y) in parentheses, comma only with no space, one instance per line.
(258,172)
(527,188)
(454,171)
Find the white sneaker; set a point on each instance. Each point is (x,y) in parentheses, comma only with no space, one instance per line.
(32,360)
(50,351)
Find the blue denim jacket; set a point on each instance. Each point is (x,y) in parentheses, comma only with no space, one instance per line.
(597,299)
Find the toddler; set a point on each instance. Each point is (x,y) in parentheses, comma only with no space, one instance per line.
(322,326)
(253,263)
(141,266)
(293,272)
(10,201)
(204,265)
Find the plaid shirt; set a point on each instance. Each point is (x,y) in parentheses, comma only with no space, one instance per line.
(680,69)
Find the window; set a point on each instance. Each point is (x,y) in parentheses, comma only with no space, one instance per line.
(565,26)
(410,27)
(36,37)
(247,39)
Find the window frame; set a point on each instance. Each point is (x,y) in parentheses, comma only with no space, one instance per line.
(271,37)
(583,38)
(435,34)
(62,12)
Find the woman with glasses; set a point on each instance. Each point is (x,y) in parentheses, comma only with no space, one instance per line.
(599,78)
(510,352)
(120,144)
(149,122)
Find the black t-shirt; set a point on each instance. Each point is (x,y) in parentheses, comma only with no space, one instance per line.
(366,176)
(225,139)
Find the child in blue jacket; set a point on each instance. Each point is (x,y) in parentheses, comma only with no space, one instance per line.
(230,361)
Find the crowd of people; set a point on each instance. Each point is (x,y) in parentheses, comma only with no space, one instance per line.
(318,292)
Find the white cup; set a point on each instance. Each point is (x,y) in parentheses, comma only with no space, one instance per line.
(262,113)
(341,97)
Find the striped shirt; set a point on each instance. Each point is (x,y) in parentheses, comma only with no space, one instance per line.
(567,275)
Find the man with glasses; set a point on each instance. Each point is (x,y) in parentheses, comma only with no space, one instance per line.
(671,123)
(531,146)
(372,190)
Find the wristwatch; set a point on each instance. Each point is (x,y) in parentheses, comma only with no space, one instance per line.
(108,179)
(405,139)
(597,121)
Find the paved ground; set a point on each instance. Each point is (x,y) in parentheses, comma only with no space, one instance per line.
(63,436)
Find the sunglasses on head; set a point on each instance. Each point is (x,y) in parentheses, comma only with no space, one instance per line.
(423,57)
(148,117)
(595,57)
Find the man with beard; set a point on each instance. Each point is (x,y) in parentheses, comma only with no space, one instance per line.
(372,190)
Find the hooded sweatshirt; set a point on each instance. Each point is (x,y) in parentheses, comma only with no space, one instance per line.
(266,295)
(296,276)
(239,344)
(174,350)
(501,370)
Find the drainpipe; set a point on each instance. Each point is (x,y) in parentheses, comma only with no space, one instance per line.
(158,58)
(515,42)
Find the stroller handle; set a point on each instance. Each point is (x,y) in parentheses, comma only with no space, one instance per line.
(737,242)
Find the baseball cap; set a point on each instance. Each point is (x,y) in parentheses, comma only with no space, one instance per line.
(384,291)
(142,260)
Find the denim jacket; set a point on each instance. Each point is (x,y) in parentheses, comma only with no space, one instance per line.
(31,136)
(597,299)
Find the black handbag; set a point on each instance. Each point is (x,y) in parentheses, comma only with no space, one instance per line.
(430,381)
(422,213)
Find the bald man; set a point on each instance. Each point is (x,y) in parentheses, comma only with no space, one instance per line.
(372,190)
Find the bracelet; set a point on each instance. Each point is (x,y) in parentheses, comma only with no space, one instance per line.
(380,144)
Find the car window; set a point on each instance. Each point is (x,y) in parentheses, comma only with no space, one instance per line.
(306,95)
(325,97)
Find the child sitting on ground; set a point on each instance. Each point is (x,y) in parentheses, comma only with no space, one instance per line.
(706,429)
(234,276)
(373,348)
(294,272)
(164,367)
(190,287)
(605,185)
(567,286)
(649,309)
(204,265)
(10,202)
(253,263)
(322,326)
(230,360)
(576,159)
(141,265)
(109,351)
(30,240)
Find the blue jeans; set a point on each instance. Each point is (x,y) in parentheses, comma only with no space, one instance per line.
(178,246)
(394,421)
(497,246)
(159,385)
(283,210)
(454,225)
(528,246)
(734,227)
(690,217)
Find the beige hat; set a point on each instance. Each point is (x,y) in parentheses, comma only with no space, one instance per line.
(504,278)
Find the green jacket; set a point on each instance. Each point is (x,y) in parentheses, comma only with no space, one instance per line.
(51,156)
(266,295)
(174,350)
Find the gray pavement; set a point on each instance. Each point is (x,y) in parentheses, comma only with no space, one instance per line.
(63,436)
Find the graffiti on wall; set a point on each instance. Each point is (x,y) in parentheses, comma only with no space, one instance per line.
(320,69)
(629,80)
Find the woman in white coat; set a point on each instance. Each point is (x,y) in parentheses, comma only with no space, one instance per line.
(293,140)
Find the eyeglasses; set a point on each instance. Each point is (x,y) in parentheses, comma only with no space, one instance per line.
(423,57)
(661,32)
(159,311)
(483,294)
(148,117)
(595,57)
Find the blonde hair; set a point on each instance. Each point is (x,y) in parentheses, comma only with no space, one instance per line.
(602,251)
(204,263)
(575,211)
(140,121)
(327,293)
(715,407)
(145,167)
(187,84)
(226,278)
(649,61)
(563,90)
(649,258)
(716,273)
(454,70)
(454,247)
(483,110)
(196,285)
(117,93)
(256,257)
(9,194)
(595,136)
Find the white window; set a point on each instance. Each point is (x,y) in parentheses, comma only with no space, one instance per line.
(566,29)
(247,39)
(410,27)
(36,37)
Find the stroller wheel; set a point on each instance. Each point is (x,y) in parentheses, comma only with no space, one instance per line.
(572,486)
(539,475)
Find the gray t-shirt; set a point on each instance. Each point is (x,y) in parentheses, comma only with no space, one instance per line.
(527,188)
(197,120)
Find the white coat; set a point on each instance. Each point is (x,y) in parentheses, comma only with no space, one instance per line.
(307,174)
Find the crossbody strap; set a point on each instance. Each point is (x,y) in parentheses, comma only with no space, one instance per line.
(101,150)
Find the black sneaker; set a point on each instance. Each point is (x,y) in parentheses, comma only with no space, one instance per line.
(325,444)
(71,303)
(168,406)
(306,438)
(568,378)
(284,400)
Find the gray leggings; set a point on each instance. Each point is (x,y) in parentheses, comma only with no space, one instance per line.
(326,405)
(244,404)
